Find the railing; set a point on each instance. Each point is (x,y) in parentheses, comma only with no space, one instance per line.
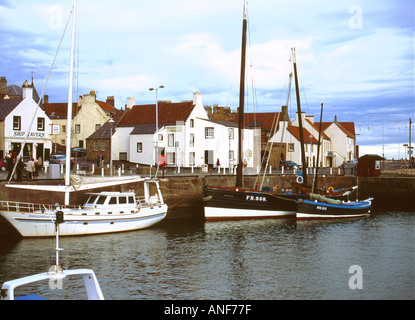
(141,201)
(28,206)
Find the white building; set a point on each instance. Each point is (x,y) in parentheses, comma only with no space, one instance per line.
(338,141)
(185,135)
(21,119)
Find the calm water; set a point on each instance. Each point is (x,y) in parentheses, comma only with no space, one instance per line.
(257,259)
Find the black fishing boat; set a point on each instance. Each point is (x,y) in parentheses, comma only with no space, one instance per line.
(243,203)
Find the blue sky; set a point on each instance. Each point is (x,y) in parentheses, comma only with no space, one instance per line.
(356,57)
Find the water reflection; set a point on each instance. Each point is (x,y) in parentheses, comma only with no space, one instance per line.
(248,259)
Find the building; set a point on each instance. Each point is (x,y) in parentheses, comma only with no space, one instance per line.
(23,124)
(186,135)
(338,141)
(88,115)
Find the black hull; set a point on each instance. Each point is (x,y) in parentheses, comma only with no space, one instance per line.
(244,204)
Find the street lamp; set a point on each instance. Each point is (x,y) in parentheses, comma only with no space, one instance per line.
(157,121)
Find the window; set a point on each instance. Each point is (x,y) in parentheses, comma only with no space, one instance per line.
(77,128)
(139,147)
(171,140)
(192,140)
(192,158)
(123,156)
(192,123)
(231,155)
(63,129)
(40,124)
(122,200)
(95,145)
(113,200)
(291,147)
(160,137)
(97,126)
(103,144)
(171,158)
(231,133)
(17,122)
(209,133)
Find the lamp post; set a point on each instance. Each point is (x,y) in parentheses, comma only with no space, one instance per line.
(111,121)
(157,121)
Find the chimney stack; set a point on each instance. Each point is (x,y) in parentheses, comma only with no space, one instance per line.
(130,102)
(111,101)
(27,90)
(3,87)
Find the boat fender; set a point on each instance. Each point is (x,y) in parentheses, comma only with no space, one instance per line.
(276,187)
(300,179)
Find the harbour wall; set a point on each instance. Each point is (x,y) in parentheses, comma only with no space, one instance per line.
(184,194)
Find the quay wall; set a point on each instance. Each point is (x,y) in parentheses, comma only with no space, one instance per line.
(184,194)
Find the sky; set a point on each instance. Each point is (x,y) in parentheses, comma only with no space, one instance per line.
(356,57)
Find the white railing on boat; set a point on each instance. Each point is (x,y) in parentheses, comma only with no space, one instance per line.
(28,206)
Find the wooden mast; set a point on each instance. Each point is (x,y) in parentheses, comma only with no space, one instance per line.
(300,121)
(241,113)
(318,151)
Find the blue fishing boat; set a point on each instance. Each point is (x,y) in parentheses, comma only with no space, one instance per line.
(320,207)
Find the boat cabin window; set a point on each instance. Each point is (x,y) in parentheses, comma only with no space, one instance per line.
(130,199)
(92,199)
(122,200)
(113,200)
(101,200)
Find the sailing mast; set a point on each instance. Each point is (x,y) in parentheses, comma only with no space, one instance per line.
(318,152)
(69,118)
(300,121)
(241,114)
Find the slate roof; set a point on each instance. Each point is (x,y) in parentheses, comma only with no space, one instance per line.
(7,106)
(104,132)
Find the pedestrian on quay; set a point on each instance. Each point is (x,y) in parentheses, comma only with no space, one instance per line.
(10,158)
(19,168)
(35,169)
(30,167)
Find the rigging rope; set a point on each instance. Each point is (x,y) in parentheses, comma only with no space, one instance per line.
(40,98)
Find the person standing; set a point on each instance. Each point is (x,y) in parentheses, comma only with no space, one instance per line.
(19,168)
(30,167)
(10,158)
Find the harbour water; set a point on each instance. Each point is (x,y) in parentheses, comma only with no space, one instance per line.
(189,259)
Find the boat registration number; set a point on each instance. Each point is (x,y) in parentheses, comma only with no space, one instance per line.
(321,208)
(256,198)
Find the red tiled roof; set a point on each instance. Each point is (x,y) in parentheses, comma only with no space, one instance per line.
(346,127)
(295,131)
(59,110)
(168,112)
(316,126)
(265,120)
